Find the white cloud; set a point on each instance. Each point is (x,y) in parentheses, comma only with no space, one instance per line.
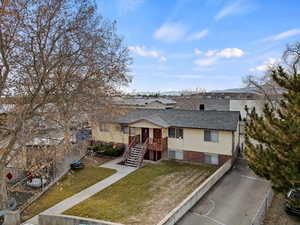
(174,32)
(170,32)
(142,51)
(206,62)
(266,65)
(162,59)
(197,51)
(225,53)
(283,35)
(236,7)
(212,56)
(126,6)
(189,76)
(210,52)
(231,53)
(198,35)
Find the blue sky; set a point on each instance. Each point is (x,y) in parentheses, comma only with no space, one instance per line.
(210,44)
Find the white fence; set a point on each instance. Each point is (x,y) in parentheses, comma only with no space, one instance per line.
(263,209)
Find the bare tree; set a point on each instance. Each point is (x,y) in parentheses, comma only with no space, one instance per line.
(53,53)
(265,86)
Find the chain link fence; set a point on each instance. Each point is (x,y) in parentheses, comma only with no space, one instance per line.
(25,195)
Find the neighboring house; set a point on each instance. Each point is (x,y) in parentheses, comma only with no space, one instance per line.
(144,102)
(192,135)
(222,101)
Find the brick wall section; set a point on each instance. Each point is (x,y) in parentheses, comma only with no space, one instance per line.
(200,157)
(224,158)
(193,156)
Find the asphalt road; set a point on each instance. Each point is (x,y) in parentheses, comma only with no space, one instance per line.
(234,200)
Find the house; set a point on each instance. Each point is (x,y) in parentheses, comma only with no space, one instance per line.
(144,102)
(222,101)
(191,135)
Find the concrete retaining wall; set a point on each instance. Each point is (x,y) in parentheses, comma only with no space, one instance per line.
(263,209)
(195,196)
(45,219)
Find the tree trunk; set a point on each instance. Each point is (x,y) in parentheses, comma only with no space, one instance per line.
(67,136)
(3,188)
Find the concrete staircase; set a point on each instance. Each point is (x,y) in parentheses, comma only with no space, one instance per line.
(135,157)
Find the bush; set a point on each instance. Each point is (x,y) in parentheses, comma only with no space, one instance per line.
(108,149)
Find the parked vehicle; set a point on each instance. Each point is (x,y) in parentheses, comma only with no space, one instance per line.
(77,165)
(37,182)
(293,195)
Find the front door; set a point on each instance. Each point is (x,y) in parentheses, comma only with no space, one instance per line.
(156,135)
(145,134)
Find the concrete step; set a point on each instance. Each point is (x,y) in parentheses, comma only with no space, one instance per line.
(131,164)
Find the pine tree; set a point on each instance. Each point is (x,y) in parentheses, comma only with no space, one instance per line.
(273,139)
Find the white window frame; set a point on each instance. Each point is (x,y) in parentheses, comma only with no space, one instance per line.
(176,132)
(213,137)
(132,131)
(103,127)
(125,129)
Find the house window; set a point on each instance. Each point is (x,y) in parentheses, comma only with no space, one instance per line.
(172,154)
(125,129)
(176,155)
(132,131)
(179,155)
(201,107)
(211,136)
(103,127)
(176,133)
(211,159)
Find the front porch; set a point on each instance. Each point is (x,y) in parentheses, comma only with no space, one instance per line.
(154,140)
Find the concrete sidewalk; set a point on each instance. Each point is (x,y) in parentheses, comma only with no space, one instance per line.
(64,205)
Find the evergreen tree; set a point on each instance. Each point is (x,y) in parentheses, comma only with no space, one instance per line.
(273,139)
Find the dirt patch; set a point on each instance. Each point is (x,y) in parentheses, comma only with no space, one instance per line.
(96,160)
(170,191)
(21,197)
(277,214)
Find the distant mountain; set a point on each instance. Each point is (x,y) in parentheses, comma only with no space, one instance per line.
(188,92)
(236,90)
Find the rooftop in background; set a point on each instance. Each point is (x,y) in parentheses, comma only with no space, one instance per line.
(216,120)
(233,93)
(142,101)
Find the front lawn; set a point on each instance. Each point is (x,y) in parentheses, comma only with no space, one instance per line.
(71,184)
(146,195)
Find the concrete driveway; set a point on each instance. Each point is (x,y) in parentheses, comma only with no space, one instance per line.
(234,200)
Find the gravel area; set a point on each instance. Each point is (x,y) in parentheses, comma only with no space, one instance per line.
(277,214)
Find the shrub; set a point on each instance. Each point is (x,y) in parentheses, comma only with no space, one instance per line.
(108,149)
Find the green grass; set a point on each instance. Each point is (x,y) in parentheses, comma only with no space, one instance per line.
(128,196)
(71,184)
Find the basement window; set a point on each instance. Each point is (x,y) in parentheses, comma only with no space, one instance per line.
(211,159)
